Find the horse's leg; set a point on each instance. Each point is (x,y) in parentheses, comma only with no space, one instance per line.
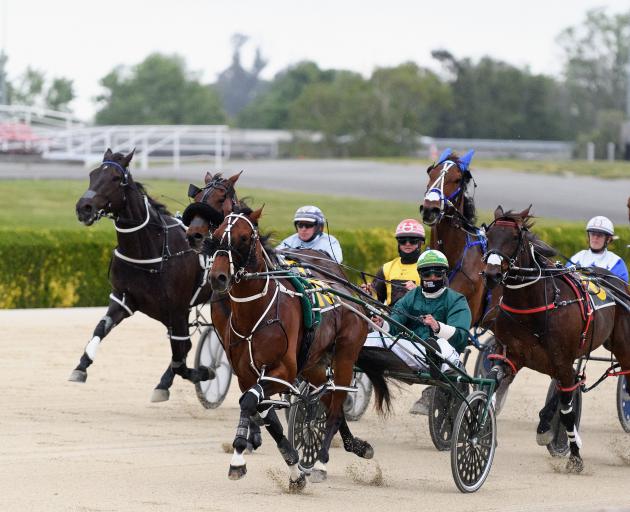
(544,435)
(116,312)
(297,479)
(567,416)
(354,444)
(254,439)
(180,346)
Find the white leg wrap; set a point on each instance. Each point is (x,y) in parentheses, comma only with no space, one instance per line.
(237,459)
(294,472)
(574,436)
(319,466)
(91,347)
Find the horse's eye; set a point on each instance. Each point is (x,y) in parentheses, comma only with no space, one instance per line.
(116,178)
(243,238)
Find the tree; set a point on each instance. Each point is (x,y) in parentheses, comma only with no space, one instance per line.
(33,89)
(270,109)
(159,90)
(493,99)
(597,56)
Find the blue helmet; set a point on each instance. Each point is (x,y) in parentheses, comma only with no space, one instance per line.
(310,213)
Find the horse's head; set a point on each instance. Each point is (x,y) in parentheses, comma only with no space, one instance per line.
(238,248)
(446,186)
(106,193)
(211,204)
(507,236)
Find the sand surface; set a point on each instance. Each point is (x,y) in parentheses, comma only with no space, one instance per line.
(102,446)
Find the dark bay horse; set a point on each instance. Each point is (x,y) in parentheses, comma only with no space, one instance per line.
(545,319)
(210,205)
(449,209)
(153,270)
(263,332)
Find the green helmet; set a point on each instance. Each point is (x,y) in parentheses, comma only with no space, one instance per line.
(432,259)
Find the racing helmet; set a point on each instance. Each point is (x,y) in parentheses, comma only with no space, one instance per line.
(309,213)
(600,224)
(432,259)
(410,228)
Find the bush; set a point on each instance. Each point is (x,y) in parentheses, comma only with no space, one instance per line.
(62,268)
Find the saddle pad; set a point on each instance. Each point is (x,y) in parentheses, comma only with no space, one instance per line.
(599,298)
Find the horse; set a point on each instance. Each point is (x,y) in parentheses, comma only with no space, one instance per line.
(264,333)
(153,270)
(449,209)
(210,205)
(546,321)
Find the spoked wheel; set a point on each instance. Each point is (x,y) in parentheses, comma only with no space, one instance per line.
(483,365)
(307,427)
(357,403)
(210,353)
(443,407)
(559,446)
(474,443)
(623,402)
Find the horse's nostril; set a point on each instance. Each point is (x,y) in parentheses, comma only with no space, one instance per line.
(222,278)
(87,208)
(197,236)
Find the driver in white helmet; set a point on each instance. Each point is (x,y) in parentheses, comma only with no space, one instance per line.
(600,231)
(309,224)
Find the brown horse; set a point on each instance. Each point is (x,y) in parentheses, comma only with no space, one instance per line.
(545,320)
(153,270)
(264,335)
(450,211)
(210,205)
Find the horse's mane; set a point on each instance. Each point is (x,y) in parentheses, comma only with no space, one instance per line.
(470,212)
(159,207)
(527,222)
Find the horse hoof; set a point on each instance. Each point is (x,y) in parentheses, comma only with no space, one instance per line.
(299,484)
(237,472)
(160,395)
(206,373)
(369,452)
(254,442)
(575,464)
(544,438)
(78,376)
(318,476)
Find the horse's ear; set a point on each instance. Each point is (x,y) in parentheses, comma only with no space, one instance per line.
(126,160)
(525,213)
(466,159)
(207,178)
(445,154)
(498,213)
(108,154)
(255,215)
(235,178)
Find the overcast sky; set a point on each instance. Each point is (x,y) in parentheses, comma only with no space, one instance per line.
(84,40)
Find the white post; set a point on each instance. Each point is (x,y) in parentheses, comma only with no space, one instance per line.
(176,164)
(218,148)
(590,151)
(610,151)
(145,153)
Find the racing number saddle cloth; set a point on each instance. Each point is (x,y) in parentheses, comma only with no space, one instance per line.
(314,302)
(599,298)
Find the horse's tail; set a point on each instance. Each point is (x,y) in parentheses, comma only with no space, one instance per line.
(373,365)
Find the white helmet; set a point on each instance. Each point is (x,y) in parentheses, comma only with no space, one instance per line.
(601,224)
(310,213)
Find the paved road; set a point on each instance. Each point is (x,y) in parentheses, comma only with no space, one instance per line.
(564,197)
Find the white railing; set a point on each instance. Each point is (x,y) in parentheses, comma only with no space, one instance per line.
(38,117)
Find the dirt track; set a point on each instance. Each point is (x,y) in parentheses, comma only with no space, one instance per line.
(102,446)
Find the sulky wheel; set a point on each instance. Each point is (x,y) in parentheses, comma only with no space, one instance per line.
(559,445)
(357,403)
(474,442)
(443,407)
(210,353)
(307,428)
(623,402)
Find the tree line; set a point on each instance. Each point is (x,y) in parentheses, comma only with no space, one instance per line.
(385,113)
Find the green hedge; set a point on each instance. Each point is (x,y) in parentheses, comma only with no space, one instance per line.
(57,268)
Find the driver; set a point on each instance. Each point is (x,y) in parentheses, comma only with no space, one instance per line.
(434,312)
(600,232)
(309,224)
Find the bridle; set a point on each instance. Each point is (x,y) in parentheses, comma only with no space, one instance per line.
(497,257)
(436,189)
(201,208)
